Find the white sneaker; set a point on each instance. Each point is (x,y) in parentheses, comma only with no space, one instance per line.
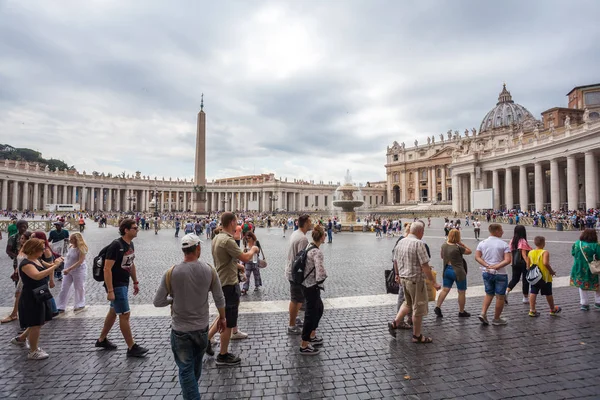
(525,300)
(239,335)
(19,343)
(38,354)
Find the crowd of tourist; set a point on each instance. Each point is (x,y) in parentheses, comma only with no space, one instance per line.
(238,258)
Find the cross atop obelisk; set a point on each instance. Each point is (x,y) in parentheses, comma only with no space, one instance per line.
(200,170)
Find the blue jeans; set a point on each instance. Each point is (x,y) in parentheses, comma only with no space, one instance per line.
(495,284)
(188,349)
(329,236)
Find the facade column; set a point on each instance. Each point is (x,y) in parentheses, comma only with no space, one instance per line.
(45,200)
(572,183)
(469,196)
(591,180)
(508,189)
(496,186)
(264,201)
(36,196)
(455,198)
(554,186)
(539,186)
(100,199)
(15,195)
(170,194)
(25,195)
(54,194)
(74,194)
(109,202)
(444,189)
(417,186)
(4,194)
(523,188)
(65,195)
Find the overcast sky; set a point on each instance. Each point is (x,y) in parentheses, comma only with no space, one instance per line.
(304,89)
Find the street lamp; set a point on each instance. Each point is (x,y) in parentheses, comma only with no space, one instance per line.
(273,200)
(130,198)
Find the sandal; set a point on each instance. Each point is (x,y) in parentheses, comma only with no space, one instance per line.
(421,339)
(403,325)
(8,319)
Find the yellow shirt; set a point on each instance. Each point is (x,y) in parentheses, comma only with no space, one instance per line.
(535,257)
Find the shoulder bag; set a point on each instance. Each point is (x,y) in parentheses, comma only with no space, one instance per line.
(594,264)
(42,293)
(534,274)
(391,286)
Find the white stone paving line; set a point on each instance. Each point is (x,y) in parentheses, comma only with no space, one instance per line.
(265,307)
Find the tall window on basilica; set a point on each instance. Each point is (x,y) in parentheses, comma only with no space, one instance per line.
(396,177)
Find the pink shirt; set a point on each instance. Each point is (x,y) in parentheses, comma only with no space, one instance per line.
(523,245)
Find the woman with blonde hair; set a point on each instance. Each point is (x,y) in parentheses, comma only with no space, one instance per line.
(74,274)
(454,271)
(34,305)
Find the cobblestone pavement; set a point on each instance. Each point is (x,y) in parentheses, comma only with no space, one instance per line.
(545,357)
(355,261)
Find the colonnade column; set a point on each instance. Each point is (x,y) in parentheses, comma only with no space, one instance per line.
(455,199)
(100,199)
(74,194)
(170,194)
(469,193)
(25,195)
(591,179)
(118,196)
(15,195)
(54,194)
(539,186)
(109,197)
(45,199)
(65,195)
(84,198)
(572,184)
(554,186)
(4,194)
(36,195)
(523,188)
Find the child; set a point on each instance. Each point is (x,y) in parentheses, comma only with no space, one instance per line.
(541,258)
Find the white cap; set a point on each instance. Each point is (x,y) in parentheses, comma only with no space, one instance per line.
(190,240)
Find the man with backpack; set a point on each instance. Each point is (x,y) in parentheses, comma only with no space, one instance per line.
(298,242)
(226,255)
(185,288)
(118,268)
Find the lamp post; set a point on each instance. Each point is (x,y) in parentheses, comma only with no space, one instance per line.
(130,198)
(273,200)
(158,207)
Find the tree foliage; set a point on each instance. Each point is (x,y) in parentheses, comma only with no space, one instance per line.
(32,156)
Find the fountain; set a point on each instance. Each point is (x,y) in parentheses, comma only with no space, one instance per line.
(346,201)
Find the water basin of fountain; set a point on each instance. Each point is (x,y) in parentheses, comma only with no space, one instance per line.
(347,202)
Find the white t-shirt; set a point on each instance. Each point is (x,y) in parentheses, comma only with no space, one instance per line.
(493,250)
(476,225)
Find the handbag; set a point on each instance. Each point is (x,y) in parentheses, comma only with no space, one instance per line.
(42,293)
(431,292)
(262,263)
(391,286)
(594,264)
(517,259)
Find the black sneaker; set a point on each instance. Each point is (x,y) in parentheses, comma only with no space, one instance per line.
(137,351)
(227,360)
(464,314)
(309,351)
(316,341)
(209,350)
(106,344)
(438,312)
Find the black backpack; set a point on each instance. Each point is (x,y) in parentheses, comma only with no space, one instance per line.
(98,263)
(299,265)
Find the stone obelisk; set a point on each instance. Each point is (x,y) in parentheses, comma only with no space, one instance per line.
(200,171)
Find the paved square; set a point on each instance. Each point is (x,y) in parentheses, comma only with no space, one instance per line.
(541,357)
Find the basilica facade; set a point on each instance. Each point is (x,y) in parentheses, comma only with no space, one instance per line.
(530,164)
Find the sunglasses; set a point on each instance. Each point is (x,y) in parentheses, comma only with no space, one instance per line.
(134,227)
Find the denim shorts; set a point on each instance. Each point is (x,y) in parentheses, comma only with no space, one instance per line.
(121,302)
(495,284)
(450,278)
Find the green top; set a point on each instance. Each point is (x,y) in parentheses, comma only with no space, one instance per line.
(581,276)
(225,252)
(12,229)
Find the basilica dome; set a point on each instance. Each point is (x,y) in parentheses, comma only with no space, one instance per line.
(505,113)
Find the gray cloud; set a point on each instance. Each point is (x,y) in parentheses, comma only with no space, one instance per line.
(302,89)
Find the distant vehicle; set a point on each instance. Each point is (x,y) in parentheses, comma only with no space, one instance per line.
(62,207)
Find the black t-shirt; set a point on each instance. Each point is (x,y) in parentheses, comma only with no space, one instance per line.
(123,255)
